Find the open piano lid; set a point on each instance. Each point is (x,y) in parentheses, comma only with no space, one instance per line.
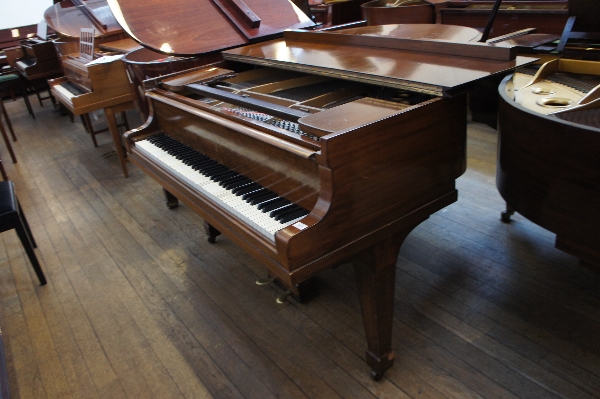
(191,27)
(441,60)
(69,16)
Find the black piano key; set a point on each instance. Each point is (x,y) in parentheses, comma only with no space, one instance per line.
(298,213)
(238,183)
(269,195)
(224,176)
(282,210)
(272,205)
(211,169)
(246,189)
(280,213)
(253,194)
(233,180)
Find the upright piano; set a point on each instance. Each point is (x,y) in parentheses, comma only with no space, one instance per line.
(91,85)
(320,148)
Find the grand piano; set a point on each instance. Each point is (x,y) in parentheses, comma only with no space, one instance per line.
(548,140)
(319,148)
(91,84)
(39,60)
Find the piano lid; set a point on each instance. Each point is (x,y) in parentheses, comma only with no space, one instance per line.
(436,59)
(69,16)
(190,27)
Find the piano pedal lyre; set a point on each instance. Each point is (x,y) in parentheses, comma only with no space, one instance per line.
(304,291)
(268,280)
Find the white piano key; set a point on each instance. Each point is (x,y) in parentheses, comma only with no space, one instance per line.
(66,93)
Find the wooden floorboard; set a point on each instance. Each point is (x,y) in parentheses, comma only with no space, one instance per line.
(139,305)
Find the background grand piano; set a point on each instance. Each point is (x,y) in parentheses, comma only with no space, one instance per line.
(86,88)
(548,147)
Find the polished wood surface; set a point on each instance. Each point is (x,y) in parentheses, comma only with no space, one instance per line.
(139,305)
(176,27)
(427,71)
(548,164)
(122,46)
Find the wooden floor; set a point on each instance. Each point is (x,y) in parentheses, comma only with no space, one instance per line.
(139,305)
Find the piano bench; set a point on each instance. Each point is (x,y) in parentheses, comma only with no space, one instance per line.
(12,217)
(12,83)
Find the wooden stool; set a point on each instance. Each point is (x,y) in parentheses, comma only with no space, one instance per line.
(12,217)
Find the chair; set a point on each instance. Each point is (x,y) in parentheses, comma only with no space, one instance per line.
(12,217)
(11,82)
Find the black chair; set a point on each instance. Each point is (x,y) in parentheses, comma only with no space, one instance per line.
(12,217)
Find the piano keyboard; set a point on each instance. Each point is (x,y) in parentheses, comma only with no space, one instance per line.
(27,62)
(258,207)
(68,90)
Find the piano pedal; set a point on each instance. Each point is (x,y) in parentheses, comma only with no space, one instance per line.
(283,297)
(265,281)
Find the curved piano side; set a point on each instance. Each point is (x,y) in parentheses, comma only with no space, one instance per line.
(549,171)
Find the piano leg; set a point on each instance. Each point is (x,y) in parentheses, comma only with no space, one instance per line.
(172,201)
(87,123)
(505,215)
(113,127)
(375,271)
(211,232)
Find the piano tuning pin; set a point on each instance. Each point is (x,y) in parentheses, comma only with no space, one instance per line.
(283,297)
(265,281)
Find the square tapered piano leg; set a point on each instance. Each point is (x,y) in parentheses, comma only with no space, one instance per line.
(375,272)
